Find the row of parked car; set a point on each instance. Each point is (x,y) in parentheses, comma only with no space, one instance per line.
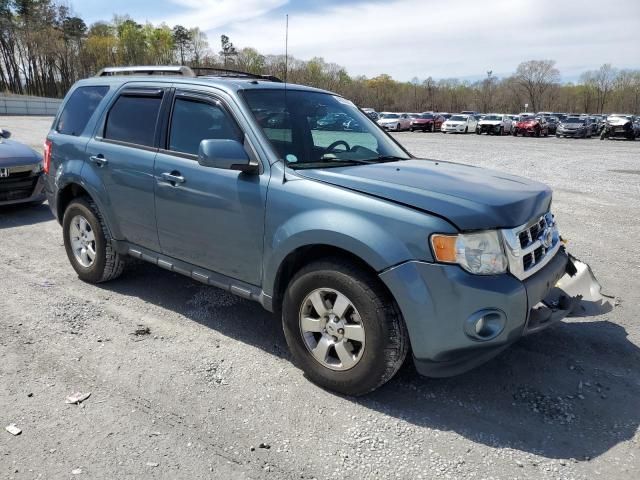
(525,124)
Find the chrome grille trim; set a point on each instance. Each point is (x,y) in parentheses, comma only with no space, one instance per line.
(531,246)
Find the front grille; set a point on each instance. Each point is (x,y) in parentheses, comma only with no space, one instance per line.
(17,186)
(531,246)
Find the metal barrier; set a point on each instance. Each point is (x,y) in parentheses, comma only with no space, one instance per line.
(27,105)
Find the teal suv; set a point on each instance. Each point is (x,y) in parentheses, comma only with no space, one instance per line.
(365,252)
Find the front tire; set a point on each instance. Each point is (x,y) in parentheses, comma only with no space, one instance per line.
(88,243)
(343,328)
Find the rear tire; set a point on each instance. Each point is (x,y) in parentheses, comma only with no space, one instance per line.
(103,263)
(385,339)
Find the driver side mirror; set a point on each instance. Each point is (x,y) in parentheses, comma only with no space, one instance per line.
(225,154)
(4,133)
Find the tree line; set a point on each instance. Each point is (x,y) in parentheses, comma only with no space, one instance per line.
(45,48)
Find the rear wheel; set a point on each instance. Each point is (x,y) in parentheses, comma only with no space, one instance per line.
(88,243)
(343,328)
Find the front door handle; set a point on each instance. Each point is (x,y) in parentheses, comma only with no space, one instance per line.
(99,160)
(173,178)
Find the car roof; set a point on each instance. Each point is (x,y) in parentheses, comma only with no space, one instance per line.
(226,84)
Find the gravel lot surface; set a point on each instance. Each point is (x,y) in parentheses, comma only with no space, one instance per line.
(208,391)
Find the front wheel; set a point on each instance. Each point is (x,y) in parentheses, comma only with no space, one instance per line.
(88,243)
(343,328)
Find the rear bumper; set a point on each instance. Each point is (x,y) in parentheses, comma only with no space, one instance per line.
(24,190)
(439,301)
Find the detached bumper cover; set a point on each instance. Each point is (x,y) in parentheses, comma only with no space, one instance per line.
(436,301)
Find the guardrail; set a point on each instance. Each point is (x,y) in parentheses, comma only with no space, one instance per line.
(27,105)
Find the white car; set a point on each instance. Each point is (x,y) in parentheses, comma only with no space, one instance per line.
(495,123)
(460,124)
(396,122)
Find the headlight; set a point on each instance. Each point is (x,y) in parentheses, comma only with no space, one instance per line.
(479,253)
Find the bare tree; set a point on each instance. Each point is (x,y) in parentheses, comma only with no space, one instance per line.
(535,77)
(199,45)
(604,79)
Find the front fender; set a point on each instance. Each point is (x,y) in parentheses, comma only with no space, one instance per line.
(304,213)
(342,229)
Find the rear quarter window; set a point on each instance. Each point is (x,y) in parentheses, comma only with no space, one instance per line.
(79,108)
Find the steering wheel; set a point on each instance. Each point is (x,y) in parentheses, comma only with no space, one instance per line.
(331,147)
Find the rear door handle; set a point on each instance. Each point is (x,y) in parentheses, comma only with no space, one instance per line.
(173,178)
(99,160)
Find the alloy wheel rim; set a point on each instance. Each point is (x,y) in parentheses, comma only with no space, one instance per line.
(332,329)
(83,241)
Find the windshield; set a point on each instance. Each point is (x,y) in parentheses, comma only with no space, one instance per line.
(574,120)
(389,115)
(458,118)
(493,117)
(426,116)
(302,138)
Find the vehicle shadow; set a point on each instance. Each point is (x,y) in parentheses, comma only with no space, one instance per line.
(571,392)
(22,214)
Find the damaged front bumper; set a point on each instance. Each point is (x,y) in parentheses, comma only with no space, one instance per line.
(440,303)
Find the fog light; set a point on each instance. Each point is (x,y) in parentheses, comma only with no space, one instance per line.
(485,324)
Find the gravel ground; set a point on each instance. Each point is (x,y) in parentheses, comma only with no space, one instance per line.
(187,381)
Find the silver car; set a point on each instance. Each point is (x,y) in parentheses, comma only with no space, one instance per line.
(21,170)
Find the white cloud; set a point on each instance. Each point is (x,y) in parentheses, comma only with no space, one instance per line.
(463,38)
(212,14)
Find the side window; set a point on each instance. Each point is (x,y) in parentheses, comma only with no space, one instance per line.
(133,118)
(193,121)
(79,108)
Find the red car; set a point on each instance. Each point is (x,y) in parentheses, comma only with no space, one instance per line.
(427,122)
(531,126)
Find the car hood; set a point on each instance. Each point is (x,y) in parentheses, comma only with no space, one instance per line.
(13,153)
(422,120)
(618,120)
(572,126)
(471,198)
(489,122)
(389,120)
(454,123)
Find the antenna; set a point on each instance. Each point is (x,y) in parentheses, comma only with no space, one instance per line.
(286,50)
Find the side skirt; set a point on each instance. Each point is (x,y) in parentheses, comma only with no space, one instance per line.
(232,285)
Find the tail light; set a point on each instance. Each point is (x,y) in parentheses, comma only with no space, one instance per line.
(47,156)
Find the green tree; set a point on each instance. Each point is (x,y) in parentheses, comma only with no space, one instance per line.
(228,52)
(182,42)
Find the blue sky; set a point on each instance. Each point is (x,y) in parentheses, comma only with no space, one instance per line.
(408,38)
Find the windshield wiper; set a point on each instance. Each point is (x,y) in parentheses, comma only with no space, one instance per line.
(385,158)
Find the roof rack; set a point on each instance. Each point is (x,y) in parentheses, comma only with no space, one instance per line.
(147,70)
(184,72)
(225,72)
